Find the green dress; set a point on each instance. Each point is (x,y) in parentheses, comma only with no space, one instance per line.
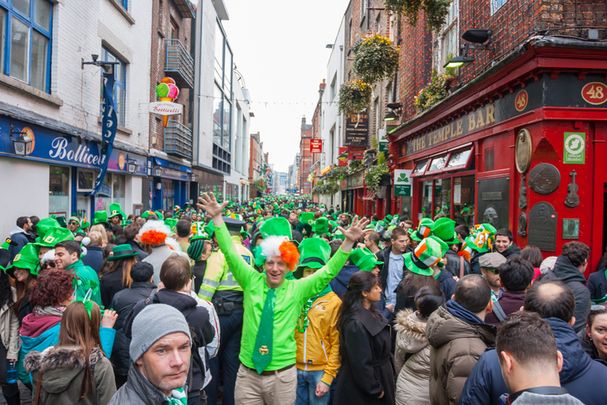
(290,299)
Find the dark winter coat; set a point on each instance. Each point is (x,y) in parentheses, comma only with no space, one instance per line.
(141,254)
(579,372)
(123,303)
(512,250)
(111,283)
(456,347)
(475,267)
(200,327)
(340,283)
(94,258)
(566,272)
(62,371)
(453,263)
(19,239)
(138,391)
(366,359)
(597,285)
(510,301)
(446,283)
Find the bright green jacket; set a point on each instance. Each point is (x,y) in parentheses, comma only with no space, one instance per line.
(87,278)
(290,299)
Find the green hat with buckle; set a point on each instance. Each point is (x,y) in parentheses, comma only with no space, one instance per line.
(55,236)
(444,228)
(314,254)
(120,252)
(277,226)
(364,259)
(26,259)
(44,225)
(115,210)
(424,229)
(321,226)
(428,253)
(100,217)
(306,218)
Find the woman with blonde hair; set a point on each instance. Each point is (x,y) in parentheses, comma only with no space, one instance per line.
(75,371)
(101,229)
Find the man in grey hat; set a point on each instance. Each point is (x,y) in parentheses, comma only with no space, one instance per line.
(489,263)
(160,351)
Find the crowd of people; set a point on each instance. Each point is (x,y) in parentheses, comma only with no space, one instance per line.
(282,301)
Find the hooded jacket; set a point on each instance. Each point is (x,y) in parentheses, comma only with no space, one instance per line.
(579,372)
(411,359)
(61,370)
(138,391)
(456,347)
(566,272)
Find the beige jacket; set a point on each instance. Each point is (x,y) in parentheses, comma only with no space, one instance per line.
(412,359)
(9,329)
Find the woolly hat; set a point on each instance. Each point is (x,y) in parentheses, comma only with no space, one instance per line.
(364,259)
(428,253)
(277,226)
(154,233)
(196,248)
(424,229)
(315,253)
(154,322)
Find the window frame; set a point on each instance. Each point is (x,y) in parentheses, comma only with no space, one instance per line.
(29,21)
(440,39)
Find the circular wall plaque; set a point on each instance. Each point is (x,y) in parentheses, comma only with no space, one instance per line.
(523,150)
(544,178)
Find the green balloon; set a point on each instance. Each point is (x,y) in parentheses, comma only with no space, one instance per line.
(162,90)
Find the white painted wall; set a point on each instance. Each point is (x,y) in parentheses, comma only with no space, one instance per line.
(25,194)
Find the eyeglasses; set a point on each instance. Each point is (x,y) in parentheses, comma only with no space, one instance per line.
(73,223)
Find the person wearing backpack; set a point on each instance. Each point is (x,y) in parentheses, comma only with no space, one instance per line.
(175,291)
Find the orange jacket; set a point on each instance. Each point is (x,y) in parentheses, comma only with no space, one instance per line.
(318,346)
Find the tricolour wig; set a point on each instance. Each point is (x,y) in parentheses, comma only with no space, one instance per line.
(282,247)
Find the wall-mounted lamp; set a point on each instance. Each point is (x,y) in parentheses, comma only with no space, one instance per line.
(394,112)
(158,171)
(107,66)
(158,186)
(477,39)
(21,141)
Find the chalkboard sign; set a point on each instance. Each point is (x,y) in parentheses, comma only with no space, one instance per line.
(542,227)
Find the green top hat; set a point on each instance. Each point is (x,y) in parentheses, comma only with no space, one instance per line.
(115,210)
(120,252)
(26,259)
(306,218)
(321,226)
(388,218)
(444,228)
(333,225)
(277,226)
(424,229)
(100,217)
(481,239)
(55,236)
(45,224)
(364,259)
(314,254)
(428,253)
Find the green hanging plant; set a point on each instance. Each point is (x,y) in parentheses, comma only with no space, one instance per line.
(434,92)
(325,187)
(260,184)
(435,11)
(354,96)
(337,173)
(376,172)
(375,58)
(355,166)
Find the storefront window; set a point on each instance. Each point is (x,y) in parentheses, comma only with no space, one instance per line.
(59,190)
(118,189)
(168,193)
(426,199)
(459,159)
(420,168)
(442,195)
(438,163)
(463,200)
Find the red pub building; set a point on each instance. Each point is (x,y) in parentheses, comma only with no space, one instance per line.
(523,146)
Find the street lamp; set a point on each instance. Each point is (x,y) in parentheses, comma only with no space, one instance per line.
(21,141)
(459,61)
(157,171)
(107,66)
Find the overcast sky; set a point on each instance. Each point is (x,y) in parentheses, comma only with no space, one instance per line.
(280,48)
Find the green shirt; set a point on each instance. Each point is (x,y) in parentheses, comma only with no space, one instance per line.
(290,299)
(87,279)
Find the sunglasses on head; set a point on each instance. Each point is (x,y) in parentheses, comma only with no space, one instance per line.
(597,308)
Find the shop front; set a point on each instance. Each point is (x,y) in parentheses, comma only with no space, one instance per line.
(169,184)
(352,194)
(206,180)
(520,148)
(51,172)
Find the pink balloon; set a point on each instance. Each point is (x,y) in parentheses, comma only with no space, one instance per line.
(173,91)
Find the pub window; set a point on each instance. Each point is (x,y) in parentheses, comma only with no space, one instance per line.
(420,167)
(438,163)
(426,199)
(446,42)
(463,200)
(119,84)
(459,159)
(442,195)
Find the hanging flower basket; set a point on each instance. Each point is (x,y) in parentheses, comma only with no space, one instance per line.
(435,11)
(375,174)
(375,58)
(434,92)
(354,96)
(326,187)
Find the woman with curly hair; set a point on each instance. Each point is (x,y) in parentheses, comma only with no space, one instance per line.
(75,371)
(40,329)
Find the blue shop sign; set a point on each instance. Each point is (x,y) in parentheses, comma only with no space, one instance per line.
(54,147)
(170,170)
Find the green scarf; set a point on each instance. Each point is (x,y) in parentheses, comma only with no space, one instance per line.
(304,321)
(262,355)
(178,397)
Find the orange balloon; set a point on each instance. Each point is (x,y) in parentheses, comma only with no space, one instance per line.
(167,80)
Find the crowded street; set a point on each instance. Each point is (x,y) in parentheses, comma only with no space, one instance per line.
(235,202)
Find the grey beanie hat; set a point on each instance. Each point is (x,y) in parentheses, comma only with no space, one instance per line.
(152,323)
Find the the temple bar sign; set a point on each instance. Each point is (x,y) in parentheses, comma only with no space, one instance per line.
(471,122)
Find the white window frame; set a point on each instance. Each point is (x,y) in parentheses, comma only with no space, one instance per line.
(451,27)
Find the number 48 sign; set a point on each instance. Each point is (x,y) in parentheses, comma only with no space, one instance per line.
(595,93)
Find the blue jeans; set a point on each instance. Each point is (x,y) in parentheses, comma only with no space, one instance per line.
(306,388)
